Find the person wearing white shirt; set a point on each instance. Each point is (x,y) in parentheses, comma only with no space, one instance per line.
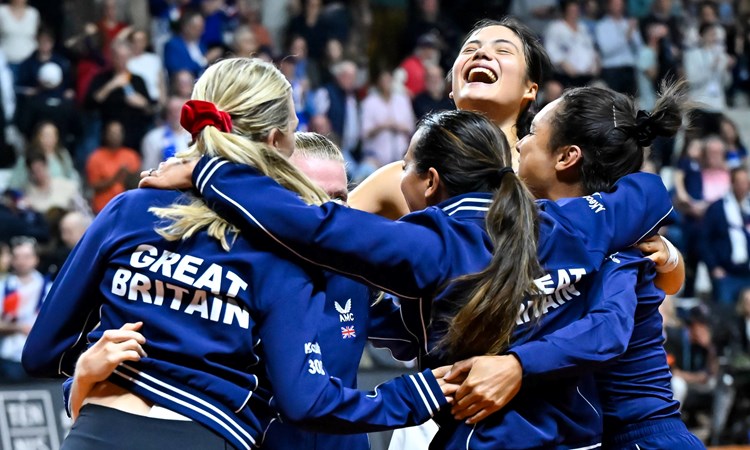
(619,40)
(18,25)
(147,65)
(387,123)
(571,47)
(707,73)
(166,140)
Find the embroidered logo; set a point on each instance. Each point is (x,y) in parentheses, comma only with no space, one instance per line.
(348,332)
(345,314)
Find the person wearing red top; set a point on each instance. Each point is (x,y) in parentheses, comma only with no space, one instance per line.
(425,53)
(112,168)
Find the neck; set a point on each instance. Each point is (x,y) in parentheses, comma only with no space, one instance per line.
(565,190)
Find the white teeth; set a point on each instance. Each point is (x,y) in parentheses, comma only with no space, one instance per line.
(476,71)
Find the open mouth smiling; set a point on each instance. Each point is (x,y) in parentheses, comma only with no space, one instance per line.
(481,75)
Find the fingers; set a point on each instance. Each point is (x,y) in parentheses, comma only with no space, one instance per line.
(132,326)
(481,415)
(459,370)
(121,335)
(449,389)
(440,371)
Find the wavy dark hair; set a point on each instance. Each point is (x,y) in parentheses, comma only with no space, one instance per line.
(469,153)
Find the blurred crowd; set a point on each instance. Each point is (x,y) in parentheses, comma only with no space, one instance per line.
(91,92)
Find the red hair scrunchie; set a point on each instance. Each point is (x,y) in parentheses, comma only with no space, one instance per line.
(198,114)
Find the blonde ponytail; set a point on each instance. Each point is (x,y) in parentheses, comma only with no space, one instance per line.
(257,97)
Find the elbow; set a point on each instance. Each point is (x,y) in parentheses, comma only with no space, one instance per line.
(36,363)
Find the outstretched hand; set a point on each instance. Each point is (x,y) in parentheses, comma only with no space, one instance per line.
(174,173)
(115,346)
(488,384)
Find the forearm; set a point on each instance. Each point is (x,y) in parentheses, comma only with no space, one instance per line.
(671,282)
(381,194)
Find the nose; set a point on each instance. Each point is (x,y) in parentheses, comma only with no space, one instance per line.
(481,53)
(519,143)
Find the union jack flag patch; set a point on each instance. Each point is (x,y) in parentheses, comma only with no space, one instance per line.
(348,332)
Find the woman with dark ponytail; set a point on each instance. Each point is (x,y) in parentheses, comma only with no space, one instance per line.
(579,145)
(464,261)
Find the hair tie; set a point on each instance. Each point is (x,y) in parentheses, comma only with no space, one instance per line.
(644,130)
(198,114)
(499,174)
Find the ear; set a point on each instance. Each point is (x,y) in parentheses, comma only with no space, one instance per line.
(568,157)
(531,91)
(434,191)
(273,138)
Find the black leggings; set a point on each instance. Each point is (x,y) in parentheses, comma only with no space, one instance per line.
(99,427)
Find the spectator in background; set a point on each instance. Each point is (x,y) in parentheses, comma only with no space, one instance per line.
(688,187)
(147,65)
(389,19)
(23,294)
(707,14)
(185,50)
(435,97)
(18,26)
(430,20)
(168,139)
(181,84)
(71,227)
(619,40)
(695,362)
(109,27)
(648,65)
(28,82)
(590,15)
(216,23)
(300,91)
(119,95)
(669,45)
(387,123)
(537,14)
(426,53)
(316,72)
(310,25)
(707,72)
(337,101)
(714,171)
(44,192)
(244,42)
(725,240)
(736,151)
(16,219)
(46,142)
(248,13)
(551,90)
(112,168)
(743,323)
(571,47)
(45,91)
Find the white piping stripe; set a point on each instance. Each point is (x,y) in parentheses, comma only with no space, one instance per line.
(421,394)
(637,447)
(271,235)
(655,225)
(189,396)
(429,391)
(468,439)
(469,208)
(464,200)
(187,405)
(210,162)
(210,174)
(587,401)
(424,326)
(589,447)
(249,394)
